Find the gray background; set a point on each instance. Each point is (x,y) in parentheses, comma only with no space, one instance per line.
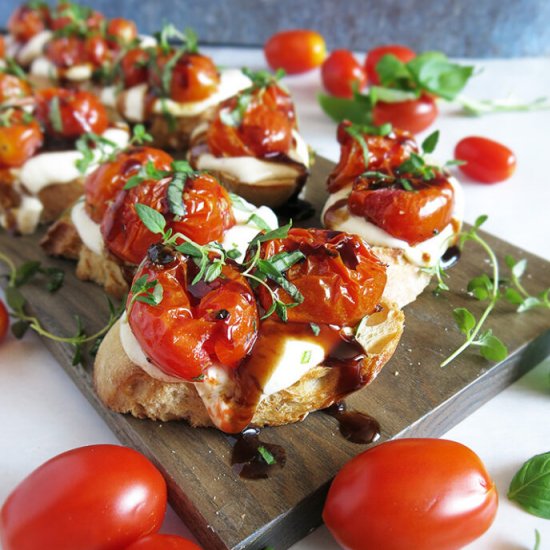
(468,28)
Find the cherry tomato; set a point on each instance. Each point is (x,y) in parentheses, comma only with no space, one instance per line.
(81,17)
(25,22)
(20,138)
(121,32)
(341,72)
(101,497)
(208,214)
(411,493)
(402,53)
(133,65)
(193,78)
(295,51)
(412,215)
(97,50)
(66,51)
(102,185)
(13,88)
(487,161)
(163,542)
(265,129)
(385,152)
(4,321)
(70,113)
(340,279)
(195,326)
(2,47)
(413,116)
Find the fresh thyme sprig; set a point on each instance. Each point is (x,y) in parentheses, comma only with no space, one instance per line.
(517,294)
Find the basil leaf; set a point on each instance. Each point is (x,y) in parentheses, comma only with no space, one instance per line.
(430,143)
(258,222)
(391,95)
(530,487)
(391,70)
(339,108)
(278,233)
(55,115)
(154,221)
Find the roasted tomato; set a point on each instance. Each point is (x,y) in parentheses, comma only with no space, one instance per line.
(341,73)
(424,494)
(197,325)
(414,213)
(26,21)
(66,51)
(385,152)
(20,137)
(102,185)
(13,88)
(121,32)
(81,18)
(163,542)
(134,67)
(2,47)
(486,161)
(70,113)
(295,51)
(208,214)
(97,50)
(193,78)
(340,279)
(4,321)
(101,497)
(402,53)
(414,116)
(264,129)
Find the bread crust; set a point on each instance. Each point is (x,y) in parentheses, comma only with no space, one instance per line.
(124,387)
(58,197)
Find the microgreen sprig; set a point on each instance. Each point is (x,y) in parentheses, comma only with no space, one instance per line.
(517,294)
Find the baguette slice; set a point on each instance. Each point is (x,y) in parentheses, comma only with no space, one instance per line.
(124,387)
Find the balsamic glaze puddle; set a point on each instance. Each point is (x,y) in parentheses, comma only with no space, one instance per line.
(296,210)
(247,459)
(450,258)
(354,426)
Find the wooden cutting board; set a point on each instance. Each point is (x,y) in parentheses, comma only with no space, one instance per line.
(412,396)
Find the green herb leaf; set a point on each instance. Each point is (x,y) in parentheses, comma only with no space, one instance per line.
(530,302)
(278,233)
(537,540)
(258,222)
(481,287)
(530,487)
(464,320)
(339,108)
(430,143)
(491,347)
(315,328)
(154,221)
(26,272)
(55,115)
(266,455)
(15,299)
(19,328)
(174,194)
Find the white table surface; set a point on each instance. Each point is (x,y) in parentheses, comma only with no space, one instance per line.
(42,413)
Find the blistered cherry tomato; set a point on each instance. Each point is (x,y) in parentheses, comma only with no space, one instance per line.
(413,116)
(402,53)
(412,215)
(411,493)
(340,279)
(197,325)
(163,542)
(97,50)
(385,153)
(208,214)
(295,51)
(26,21)
(121,31)
(70,113)
(66,51)
(4,321)
(265,129)
(82,17)
(341,73)
(193,78)
(486,161)
(133,65)
(13,88)
(101,497)
(2,47)
(20,138)
(102,185)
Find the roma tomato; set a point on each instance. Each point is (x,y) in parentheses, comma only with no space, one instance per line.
(163,542)
(340,72)
(295,51)
(411,493)
(486,161)
(101,497)
(4,321)
(402,53)
(413,116)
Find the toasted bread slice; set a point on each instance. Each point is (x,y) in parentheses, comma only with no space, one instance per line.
(126,388)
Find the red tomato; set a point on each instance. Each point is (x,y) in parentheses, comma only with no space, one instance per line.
(194,326)
(133,65)
(340,279)
(19,139)
(13,88)
(81,17)
(413,116)
(487,161)
(295,51)
(208,215)
(4,321)
(402,53)
(2,47)
(66,51)
(70,113)
(97,50)
(121,31)
(411,493)
(265,128)
(340,72)
(101,497)
(26,21)
(163,542)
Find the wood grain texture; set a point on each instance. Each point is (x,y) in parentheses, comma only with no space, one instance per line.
(413,396)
